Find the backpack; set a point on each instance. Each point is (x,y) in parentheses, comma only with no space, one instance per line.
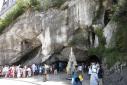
(100,73)
(81,77)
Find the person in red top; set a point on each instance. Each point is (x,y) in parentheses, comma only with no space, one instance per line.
(13,71)
(10,72)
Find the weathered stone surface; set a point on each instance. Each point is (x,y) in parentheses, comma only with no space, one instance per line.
(109,31)
(53,30)
(116,78)
(79,53)
(83,13)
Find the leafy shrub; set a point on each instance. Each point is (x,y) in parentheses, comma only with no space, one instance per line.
(99,33)
(20,7)
(114,54)
(46,4)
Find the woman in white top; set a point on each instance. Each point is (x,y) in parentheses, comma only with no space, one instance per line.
(18,70)
(94,77)
(29,72)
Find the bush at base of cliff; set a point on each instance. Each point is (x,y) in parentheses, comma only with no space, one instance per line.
(112,55)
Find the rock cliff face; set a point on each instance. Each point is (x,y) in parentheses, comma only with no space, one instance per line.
(114,32)
(53,31)
(47,36)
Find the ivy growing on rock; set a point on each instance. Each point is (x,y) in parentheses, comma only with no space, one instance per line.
(20,7)
(46,4)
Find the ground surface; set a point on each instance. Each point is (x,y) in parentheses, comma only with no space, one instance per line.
(59,79)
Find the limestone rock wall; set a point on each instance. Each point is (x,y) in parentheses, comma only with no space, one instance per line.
(53,30)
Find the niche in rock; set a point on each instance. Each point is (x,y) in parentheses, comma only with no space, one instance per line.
(107,16)
(25,45)
(91,38)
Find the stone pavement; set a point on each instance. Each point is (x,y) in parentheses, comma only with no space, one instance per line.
(59,79)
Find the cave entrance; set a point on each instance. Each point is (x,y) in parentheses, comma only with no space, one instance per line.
(60,65)
(93,58)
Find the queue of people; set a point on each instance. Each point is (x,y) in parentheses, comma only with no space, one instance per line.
(20,71)
(95,72)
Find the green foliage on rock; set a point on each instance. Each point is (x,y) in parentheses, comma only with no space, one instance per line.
(78,38)
(121,38)
(46,4)
(20,7)
(99,33)
(112,55)
(121,31)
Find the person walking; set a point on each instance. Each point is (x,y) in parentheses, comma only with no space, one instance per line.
(74,75)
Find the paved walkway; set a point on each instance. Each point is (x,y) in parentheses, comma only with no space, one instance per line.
(38,80)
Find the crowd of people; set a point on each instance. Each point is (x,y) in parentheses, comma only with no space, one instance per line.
(19,71)
(95,73)
(77,76)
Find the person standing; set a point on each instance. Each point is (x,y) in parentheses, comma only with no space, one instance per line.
(45,73)
(13,71)
(100,75)
(29,71)
(94,75)
(33,69)
(40,69)
(89,71)
(5,70)
(18,71)
(24,71)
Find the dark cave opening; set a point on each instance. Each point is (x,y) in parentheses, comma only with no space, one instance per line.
(107,17)
(93,58)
